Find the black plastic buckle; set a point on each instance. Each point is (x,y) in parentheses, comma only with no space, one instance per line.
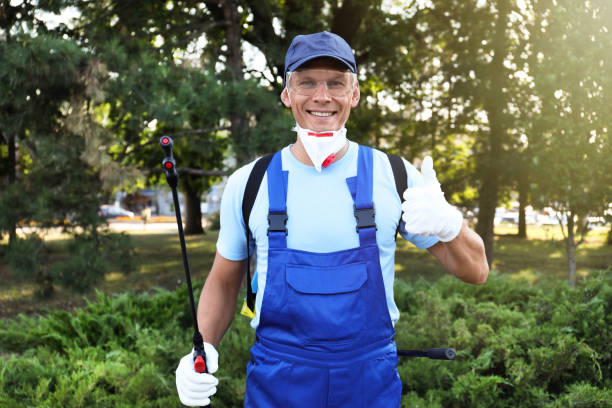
(277,222)
(365,218)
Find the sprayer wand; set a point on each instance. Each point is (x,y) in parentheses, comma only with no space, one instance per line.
(169,165)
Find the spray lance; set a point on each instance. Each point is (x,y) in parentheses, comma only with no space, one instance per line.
(434,353)
(169,165)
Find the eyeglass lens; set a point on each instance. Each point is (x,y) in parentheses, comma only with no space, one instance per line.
(307,83)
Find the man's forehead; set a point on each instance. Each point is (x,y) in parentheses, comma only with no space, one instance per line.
(320,73)
(324,63)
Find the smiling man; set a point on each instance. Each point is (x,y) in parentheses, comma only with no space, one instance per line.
(320,93)
(323,225)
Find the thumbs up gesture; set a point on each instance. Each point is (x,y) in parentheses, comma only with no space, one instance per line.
(425,210)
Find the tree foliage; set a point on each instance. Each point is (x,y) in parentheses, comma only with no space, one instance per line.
(500,92)
(55,170)
(160,85)
(569,134)
(46,85)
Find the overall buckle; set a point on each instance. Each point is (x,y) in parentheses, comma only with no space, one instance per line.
(365,218)
(277,222)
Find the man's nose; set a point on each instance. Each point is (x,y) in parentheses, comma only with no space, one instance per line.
(321,91)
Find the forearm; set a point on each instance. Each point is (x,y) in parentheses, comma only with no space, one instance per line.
(217,302)
(464,256)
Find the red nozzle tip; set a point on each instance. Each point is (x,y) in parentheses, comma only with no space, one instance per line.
(165,140)
(168,165)
(199,365)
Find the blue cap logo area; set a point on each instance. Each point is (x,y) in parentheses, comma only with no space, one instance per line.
(304,48)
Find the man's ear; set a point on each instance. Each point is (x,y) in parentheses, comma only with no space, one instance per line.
(355,97)
(285,98)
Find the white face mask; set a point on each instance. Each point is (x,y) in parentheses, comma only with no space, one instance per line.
(321,147)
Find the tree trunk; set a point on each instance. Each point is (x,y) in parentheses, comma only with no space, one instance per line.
(348,18)
(571,250)
(45,284)
(12,177)
(193,212)
(233,37)
(494,104)
(487,202)
(523,192)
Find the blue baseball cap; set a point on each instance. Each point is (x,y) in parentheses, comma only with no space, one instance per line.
(304,48)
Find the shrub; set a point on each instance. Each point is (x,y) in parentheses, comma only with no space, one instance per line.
(26,257)
(83,269)
(517,346)
(90,258)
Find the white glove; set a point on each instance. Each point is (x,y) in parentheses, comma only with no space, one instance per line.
(194,389)
(426,211)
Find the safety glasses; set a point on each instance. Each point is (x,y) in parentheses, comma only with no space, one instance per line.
(307,82)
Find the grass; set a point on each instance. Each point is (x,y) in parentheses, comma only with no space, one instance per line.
(544,256)
(541,257)
(159,264)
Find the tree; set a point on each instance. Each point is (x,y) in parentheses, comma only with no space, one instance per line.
(43,83)
(49,86)
(55,170)
(478,47)
(13,20)
(148,99)
(158,88)
(570,136)
(154,90)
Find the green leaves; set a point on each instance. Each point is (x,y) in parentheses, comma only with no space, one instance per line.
(91,255)
(123,350)
(569,136)
(511,351)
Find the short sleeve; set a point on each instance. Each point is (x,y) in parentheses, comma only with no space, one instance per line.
(420,241)
(231,243)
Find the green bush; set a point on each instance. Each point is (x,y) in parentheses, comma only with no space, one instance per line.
(26,257)
(23,254)
(86,266)
(91,256)
(517,346)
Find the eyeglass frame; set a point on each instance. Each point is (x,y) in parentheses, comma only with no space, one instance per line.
(348,92)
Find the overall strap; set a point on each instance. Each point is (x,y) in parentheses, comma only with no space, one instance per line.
(364,207)
(248,199)
(277,197)
(252,187)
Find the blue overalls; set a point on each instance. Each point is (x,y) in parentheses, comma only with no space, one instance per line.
(325,337)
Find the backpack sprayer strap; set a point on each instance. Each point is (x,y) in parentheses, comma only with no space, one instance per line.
(250,193)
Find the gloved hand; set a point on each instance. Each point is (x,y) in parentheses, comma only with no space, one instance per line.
(426,211)
(194,389)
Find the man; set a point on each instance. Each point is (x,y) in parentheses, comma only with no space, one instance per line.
(324,307)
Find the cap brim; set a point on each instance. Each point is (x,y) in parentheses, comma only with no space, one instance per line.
(301,62)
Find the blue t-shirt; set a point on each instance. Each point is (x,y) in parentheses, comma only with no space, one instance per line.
(320,215)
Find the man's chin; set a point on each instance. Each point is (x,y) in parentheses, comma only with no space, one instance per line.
(323,127)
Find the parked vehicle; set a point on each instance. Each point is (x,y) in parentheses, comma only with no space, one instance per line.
(111,211)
